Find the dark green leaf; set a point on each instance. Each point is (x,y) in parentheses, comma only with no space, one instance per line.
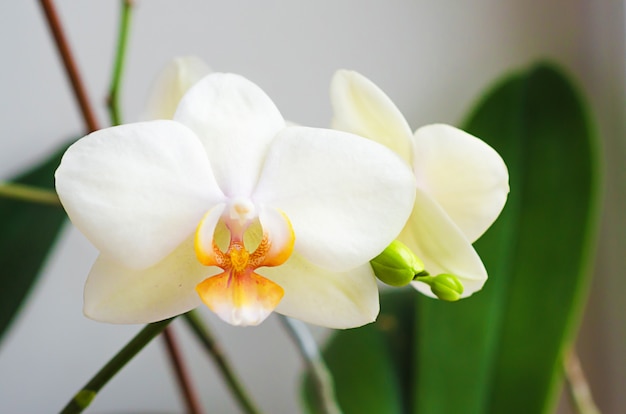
(457,340)
(501,350)
(557,223)
(365,363)
(27,232)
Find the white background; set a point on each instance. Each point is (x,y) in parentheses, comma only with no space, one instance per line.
(432,57)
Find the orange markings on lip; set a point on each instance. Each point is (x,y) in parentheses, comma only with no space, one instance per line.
(239,295)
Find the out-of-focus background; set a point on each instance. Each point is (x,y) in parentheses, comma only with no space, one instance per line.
(433,58)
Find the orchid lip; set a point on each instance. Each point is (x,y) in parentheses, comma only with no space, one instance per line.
(239,295)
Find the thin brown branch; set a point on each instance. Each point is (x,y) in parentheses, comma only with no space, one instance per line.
(70,65)
(173,351)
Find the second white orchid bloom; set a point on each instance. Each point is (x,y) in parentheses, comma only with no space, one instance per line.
(174,80)
(226,205)
(462,183)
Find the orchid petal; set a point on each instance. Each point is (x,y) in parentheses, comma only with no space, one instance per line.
(137,191)
(347,197)
(204,243)
(236,121)
(441,245)
(115,293)
(278,236)
(325,298)
(171,84)
(364,109)
(466,177)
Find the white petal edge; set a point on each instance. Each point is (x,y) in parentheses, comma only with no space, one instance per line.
(441,245)
(325,298)
(463,174)
(171,84)
(347,197)
(236,122)
(116,294)
(362,108)
(137,191)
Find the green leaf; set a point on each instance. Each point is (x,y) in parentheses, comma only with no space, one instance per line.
(27,232)
(366,362)
(457,340)
(556,243)
(501,350)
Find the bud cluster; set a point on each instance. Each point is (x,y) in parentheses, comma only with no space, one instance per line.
(398,266)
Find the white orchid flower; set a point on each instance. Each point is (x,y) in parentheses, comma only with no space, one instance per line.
(462,183)
(226,205)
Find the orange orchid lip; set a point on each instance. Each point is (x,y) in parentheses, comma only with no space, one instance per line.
(240,298)
(239,295)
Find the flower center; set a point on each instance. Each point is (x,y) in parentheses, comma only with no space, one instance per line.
(242,211)
(238,295)
(238,257)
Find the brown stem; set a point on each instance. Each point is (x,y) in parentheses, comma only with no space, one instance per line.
(173,351)
(70,64)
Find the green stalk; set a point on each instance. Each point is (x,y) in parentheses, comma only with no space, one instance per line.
(578,386)
(113,102)
(85,396)
(17,191)
(29,193)
(321,376)
(118,68)
(215,351)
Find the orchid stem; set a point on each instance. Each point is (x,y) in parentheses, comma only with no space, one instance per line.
(85,396)
(216,352)
(113,100)
(115,114)
(29,193)
(190,397)
(322,378)
(70,65)
(578,387)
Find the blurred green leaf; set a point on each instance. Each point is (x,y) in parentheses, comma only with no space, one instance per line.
(368,364)
(558,226)
(458,340)
(27,232)
(501,350)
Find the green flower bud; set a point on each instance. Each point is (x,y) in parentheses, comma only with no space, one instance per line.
(446,287)
(396,265)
